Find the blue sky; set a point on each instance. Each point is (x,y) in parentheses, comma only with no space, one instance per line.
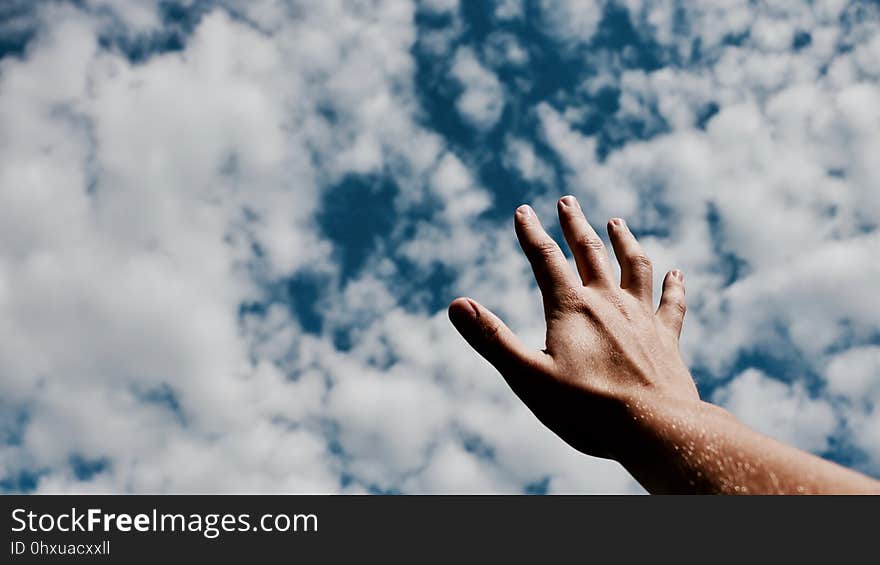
(231,229)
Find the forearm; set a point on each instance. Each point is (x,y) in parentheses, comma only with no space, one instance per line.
(696,447)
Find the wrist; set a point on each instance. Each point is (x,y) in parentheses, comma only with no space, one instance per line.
(653,421)
(669,440)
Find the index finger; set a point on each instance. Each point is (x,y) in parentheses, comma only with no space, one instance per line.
(552,272)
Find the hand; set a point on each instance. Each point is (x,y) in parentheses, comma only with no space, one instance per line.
(611,381)
(608,355)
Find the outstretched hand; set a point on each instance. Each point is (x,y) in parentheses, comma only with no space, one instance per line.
(611,381)
(608,353)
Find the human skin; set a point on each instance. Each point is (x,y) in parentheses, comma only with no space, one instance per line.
(611,381)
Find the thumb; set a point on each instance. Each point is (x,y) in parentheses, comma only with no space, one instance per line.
(490,337)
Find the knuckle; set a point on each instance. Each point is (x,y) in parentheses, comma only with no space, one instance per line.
(678,306)
(589,243)
(639,263)
(546,248)
(563,304)
(569,300)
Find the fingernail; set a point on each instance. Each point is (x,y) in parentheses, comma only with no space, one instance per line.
(525,211)
(468,309)
(678,274)
(618,222)
(473,306)
(568,200)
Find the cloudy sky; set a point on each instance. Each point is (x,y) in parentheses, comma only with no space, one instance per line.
(229,229)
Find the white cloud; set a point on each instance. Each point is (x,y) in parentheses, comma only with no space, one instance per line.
(509,9)
(453,183)
(482,99)
(115,294)
(783,411)
(504,49)
(520,155)
(388,421)
(852,375)
(573,21)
